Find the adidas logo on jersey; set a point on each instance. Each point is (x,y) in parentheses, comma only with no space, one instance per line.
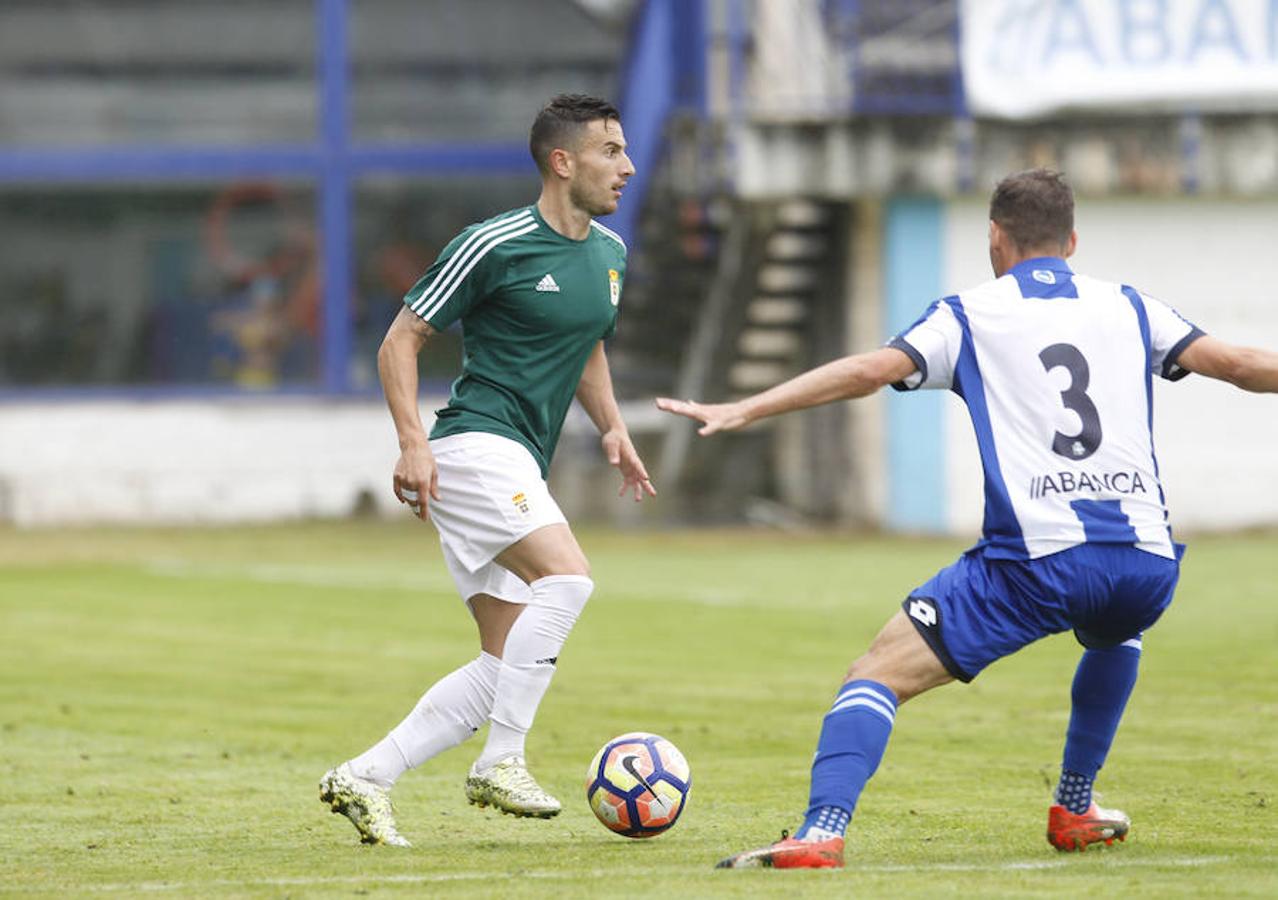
(548,283)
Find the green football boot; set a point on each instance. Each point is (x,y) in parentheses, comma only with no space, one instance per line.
(364,803)
(510,788)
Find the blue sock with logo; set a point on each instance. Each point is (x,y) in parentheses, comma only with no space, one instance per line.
(853,737)
(1102,684)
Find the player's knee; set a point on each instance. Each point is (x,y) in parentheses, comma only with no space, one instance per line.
(905,678)
(571,561)
(579,566)
(867,668)
(563,595)
(568,564)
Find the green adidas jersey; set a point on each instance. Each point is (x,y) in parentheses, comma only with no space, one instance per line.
(532,304)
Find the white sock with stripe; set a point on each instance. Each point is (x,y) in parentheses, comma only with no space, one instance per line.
(528,662)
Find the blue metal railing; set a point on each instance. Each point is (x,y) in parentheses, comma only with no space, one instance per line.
(335,190)
(664,71)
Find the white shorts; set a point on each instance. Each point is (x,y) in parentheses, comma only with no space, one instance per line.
(491,495)
(491,578)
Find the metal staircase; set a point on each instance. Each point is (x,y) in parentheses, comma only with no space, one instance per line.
(729,298)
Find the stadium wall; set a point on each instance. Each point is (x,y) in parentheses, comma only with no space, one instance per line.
(1208,258)
(223,460)
(215,461)
(193,461)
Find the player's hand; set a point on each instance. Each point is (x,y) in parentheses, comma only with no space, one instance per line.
(714,417)
(621,453)
(416,476)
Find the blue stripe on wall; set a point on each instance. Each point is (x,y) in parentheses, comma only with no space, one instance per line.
(912,266)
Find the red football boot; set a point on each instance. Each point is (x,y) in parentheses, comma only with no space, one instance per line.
(1067,831)
(789,853)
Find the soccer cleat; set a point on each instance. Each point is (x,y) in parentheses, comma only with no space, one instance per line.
(364,803)
(1068,831)
(510,788)
(789,853)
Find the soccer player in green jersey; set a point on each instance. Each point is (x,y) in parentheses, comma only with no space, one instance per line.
(536,290)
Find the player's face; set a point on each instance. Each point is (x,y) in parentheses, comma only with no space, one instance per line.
(601,168)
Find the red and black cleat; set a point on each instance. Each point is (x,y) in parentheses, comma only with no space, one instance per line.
(1068,831)
(789,853)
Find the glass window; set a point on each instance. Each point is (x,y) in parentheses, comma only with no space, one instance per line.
(92,72)
(400,227)
(159,286)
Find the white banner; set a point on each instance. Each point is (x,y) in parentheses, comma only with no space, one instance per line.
(1030,57)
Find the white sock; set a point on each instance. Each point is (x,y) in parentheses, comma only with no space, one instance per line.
(528,661)
(450,712)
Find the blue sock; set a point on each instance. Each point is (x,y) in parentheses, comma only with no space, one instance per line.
(1102,684)
(1074,792)
(853,737)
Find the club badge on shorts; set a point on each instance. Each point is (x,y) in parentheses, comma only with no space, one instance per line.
(614,286)
(521,502)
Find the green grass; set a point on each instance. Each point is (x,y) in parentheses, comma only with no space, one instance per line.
(168,700)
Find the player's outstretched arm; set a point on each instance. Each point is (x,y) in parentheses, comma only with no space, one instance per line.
(594,392)
(415,473)
(1247,367)
(843,379)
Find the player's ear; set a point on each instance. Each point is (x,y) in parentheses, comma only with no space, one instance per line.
(561,162)
(1071,245)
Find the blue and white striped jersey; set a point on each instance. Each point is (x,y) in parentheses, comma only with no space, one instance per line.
(1057,371)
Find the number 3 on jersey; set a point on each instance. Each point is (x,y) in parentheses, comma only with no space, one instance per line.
(1086,442)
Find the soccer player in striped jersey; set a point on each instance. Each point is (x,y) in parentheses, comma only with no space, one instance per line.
(1056,370)
(536,291)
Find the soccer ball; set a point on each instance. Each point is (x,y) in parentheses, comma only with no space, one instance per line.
(638,784)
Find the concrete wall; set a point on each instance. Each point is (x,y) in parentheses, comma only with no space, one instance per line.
(196,461)
(262,459)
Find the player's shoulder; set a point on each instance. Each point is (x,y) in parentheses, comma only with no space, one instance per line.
(502,223)
(1116,295)
(608,237)
(501,228)
(1007,287)
(993,290)
(1091,286)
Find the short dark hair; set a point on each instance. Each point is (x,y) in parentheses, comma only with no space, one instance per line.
(1035,208)
(560,122)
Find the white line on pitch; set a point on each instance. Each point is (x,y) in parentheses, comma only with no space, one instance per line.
(442,877)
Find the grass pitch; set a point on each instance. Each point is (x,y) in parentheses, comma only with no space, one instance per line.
(168,700)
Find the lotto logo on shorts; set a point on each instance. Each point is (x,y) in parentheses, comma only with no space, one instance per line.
(923,611)
(520,501)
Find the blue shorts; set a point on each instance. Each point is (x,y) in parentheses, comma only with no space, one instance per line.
(979,609)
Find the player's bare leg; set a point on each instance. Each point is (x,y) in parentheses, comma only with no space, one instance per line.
(550,561)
